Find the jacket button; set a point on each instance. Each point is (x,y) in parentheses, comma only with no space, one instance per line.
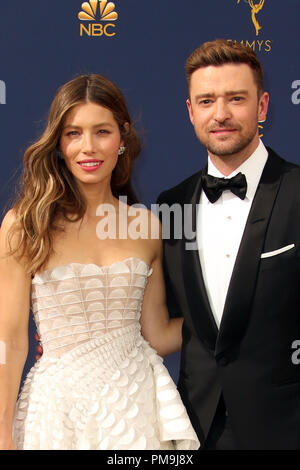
(224,361)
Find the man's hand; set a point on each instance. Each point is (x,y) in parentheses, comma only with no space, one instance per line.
(39,348)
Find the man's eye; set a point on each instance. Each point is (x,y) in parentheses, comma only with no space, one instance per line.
(102,131)
(205,102)
(237,98)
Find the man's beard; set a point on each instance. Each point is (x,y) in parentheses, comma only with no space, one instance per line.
(220,148)
(221,151)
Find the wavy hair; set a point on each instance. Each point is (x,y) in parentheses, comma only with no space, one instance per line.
(223,51)
(47,187)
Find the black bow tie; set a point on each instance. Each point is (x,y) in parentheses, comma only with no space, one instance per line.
(213,186)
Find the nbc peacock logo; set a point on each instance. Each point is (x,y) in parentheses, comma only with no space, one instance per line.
(89,14)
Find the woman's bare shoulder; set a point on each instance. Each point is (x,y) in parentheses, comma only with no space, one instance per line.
(8,221)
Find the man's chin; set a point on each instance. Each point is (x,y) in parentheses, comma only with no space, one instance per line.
(224,149)
(224,152)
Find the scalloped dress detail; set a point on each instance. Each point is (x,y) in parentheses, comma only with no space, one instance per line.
(99,385)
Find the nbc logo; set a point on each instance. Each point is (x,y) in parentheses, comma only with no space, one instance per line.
(2,92)
(89,13)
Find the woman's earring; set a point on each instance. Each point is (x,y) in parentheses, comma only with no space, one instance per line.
(60,155)
(121,151)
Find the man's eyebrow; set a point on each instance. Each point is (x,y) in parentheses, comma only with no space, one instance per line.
(204,95)
(227,93)
(237,92)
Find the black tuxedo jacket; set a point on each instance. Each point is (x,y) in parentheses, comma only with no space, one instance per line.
(249,359)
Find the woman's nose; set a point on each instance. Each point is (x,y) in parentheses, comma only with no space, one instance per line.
(88,145)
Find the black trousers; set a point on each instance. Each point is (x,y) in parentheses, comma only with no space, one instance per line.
(220,436)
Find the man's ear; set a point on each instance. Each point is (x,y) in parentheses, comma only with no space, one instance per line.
(190,110)
(263,107)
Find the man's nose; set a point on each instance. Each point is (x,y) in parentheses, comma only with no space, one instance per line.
(222,111)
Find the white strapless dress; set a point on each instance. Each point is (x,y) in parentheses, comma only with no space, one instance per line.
(99,384)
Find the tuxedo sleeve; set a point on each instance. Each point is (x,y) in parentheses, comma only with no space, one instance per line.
(172,304)
(171,298)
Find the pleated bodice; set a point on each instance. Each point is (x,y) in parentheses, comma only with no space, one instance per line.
(78,302)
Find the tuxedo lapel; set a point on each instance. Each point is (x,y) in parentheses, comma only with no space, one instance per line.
(243,281)
(200,309)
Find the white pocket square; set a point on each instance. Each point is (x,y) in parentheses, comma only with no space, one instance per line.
(277,252)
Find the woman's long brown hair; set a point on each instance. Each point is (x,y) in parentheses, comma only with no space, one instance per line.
(48,189)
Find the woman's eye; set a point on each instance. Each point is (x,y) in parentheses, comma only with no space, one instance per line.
(71,133)
(102,131)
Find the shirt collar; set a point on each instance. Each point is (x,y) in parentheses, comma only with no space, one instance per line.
(252,168)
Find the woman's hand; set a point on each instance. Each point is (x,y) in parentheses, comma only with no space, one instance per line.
(6,443)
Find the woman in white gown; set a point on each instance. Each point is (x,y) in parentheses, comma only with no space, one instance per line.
(98,302)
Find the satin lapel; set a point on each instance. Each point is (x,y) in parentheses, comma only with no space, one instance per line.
(243,281)
(202,315)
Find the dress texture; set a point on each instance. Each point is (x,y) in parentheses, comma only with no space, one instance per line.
(99,384)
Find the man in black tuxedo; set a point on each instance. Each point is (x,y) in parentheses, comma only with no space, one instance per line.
(238,286)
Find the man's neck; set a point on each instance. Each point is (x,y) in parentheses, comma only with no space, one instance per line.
(226,164)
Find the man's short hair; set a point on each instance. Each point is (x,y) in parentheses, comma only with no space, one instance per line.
(220,52)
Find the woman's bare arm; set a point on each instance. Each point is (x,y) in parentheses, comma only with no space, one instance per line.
(14,314)
(163,333)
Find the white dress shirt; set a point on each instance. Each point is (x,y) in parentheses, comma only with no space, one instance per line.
(220,227)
